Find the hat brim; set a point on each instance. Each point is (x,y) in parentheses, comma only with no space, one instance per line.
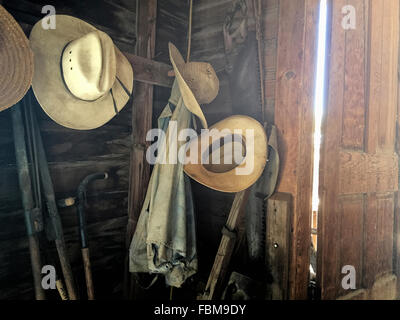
(230,181)
(187,95)
(16,61)
(48,85)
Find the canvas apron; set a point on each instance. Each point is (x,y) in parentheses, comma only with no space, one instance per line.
(165,238)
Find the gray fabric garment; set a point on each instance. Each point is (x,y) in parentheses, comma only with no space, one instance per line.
(165,238)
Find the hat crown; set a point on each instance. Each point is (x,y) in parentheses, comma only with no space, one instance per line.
(202,80)
(89,66)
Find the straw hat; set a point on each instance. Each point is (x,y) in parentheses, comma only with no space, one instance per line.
(82,80)
(16,61)
(230,175)
(197,82)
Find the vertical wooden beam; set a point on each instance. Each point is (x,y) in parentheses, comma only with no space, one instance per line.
(142,112)
(296,65)
(277,244)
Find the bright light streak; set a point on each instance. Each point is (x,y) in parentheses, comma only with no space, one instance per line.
(319,97)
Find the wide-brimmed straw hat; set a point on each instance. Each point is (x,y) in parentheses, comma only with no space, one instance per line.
(229,175)
(16,61)
(82,80)
(198,82)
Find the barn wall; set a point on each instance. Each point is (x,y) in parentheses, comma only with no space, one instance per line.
(74,154)
(208,46)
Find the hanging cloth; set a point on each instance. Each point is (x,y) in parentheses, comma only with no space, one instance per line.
(165,238)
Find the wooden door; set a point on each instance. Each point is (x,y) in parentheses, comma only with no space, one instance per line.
(359,169)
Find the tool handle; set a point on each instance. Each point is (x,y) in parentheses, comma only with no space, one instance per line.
(88,273)
(25,186)
(55,219)
(61,290)
(66,269)
(81,196)
(36,267)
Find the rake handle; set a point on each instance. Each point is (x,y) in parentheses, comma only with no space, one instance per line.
(88,273)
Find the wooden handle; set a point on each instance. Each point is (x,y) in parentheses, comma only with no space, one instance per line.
(88,273)
(36,267)
(66,269)
(61,290)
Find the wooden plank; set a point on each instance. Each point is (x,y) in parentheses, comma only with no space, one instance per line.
(364,173)
(328,220)
(294,119)
(279,215)
(221,263)
(350,239)
(354,90)
(370,263)
(150,71)
(383,80)
(142,114)
(141,123)
(270,38)
(385,229)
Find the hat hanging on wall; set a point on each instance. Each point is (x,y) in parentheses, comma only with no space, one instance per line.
(16,61)
(198,82)
(82,80)
(245,164)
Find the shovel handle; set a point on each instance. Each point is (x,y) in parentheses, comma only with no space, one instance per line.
(88,273)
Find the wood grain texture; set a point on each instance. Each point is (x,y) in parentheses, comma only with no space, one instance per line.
(279,217)
(142,115)
(350,238)
(150,72)
(88,273)
(294,120)
(359,163)
(354,99)
(365,173)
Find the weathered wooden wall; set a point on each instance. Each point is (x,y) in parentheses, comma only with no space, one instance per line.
(74,154)
(208,46)
(270,28)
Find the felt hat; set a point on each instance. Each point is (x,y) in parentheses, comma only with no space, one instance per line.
(240,160)
(198,82)
(16,61)
(82,80)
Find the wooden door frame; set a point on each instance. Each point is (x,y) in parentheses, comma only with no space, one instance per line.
(294,119)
